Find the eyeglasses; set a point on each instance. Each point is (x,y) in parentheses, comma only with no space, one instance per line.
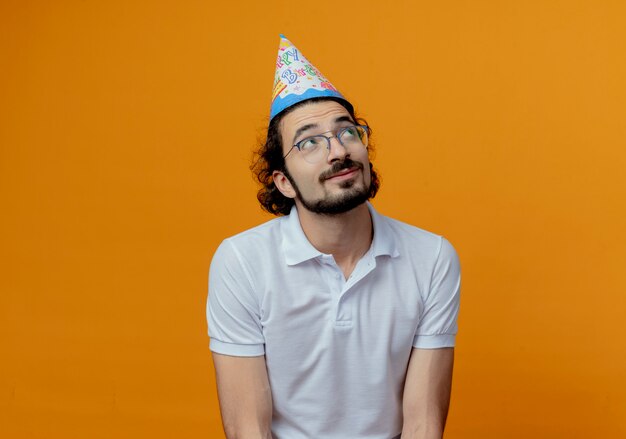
(350,137)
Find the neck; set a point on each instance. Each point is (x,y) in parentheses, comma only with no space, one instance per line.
(346,236)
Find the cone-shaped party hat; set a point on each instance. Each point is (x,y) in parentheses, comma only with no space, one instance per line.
(297,80)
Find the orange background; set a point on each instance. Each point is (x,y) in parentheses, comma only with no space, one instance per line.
(126,130)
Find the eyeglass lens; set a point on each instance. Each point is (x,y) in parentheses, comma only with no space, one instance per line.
(315,148)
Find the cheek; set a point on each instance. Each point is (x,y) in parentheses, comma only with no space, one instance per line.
(367,175)
(306,178)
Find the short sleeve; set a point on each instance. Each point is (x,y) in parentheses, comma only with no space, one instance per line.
(233,311)
(438,324)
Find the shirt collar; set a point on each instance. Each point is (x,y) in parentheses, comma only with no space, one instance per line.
(297,248)
(384,242)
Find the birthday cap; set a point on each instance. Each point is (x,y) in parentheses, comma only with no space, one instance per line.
(297,80)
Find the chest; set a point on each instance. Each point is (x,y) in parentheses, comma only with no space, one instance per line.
(377,309)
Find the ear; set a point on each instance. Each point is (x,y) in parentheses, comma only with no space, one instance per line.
(283,184)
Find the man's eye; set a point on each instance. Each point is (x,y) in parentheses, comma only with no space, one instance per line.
(309,144)
(349,133)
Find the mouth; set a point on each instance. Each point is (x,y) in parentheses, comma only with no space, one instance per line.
(342,171)
(344,174)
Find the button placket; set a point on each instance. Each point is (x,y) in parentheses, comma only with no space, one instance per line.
(336,285)
(345,302)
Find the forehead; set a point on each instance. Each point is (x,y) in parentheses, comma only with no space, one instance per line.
(320,113)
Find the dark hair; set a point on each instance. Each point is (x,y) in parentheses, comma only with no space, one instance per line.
(269,158)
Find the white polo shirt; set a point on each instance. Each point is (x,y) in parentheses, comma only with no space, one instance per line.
(336,350)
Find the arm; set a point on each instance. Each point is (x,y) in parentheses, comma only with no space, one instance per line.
(245,397)
(427,393)
(429,373)
(237,344)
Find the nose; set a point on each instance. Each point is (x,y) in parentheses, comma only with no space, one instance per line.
(336,151)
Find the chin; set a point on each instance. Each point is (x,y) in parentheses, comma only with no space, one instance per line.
(336,205)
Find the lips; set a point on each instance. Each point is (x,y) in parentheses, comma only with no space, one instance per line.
(340,169)
(343,172)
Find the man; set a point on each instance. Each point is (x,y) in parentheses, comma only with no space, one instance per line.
(331,321)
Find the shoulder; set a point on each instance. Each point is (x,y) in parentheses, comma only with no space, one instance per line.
(410,231)
(419,249)
(238,257)
(259,237)
(248,249)
(417,240)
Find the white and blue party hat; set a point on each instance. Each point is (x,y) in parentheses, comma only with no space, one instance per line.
(297,80)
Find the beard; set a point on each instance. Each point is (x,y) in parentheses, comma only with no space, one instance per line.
(350,197)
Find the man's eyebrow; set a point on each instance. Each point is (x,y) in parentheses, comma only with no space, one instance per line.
(344,119)
(303,129)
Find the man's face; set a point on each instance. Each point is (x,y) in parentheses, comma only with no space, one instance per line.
(337,183)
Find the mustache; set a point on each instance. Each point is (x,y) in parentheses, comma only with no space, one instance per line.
(347,163)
